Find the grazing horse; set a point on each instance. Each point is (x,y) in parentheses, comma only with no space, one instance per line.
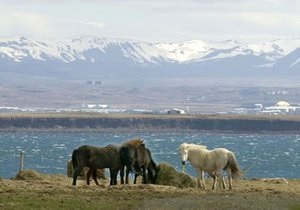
(93,172)
(96,158)
(128,160)
(144,161)
(210,161)
(135,158)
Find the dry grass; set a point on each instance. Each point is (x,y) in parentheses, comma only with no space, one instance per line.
(146,116)
(167,175)
(32,190)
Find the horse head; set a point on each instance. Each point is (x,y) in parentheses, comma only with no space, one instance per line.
(152,172)
(183,150)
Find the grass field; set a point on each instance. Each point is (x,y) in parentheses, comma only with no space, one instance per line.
(42,191)
(147,116)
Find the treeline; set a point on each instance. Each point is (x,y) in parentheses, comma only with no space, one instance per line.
(149,123)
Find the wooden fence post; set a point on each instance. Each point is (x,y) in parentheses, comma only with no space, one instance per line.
(21,160)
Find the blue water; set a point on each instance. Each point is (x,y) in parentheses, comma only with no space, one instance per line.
(263,155)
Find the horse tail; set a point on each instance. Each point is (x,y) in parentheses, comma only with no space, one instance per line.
(233,165)
(152,163)
(74,160)
(152,168)
(127,157)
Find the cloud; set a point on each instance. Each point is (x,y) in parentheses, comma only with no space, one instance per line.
(19,23)
(93,24)
(151,20)
(38,25)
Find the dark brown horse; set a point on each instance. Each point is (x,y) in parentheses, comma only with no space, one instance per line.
(137,159)
(145,162)
(92,171)
(96,158)
(127,160)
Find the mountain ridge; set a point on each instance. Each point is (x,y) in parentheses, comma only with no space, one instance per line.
(92,56)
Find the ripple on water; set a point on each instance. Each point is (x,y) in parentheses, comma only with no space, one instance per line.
(50,151)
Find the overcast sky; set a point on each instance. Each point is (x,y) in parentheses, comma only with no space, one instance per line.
(152,20)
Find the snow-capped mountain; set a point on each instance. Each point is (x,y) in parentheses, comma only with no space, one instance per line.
(68,51)
(92,55)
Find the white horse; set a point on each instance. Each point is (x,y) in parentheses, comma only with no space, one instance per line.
(210,161)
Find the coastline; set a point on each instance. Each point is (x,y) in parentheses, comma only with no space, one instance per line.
(83,122)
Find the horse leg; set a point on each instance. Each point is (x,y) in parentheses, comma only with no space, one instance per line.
(88,175)
(215,179)
(113,176)
(199,184)
(122,174)
(223,183)
(229,178)
(127,173)
(144,175)
(135,177)
(95,176)
(116,177)
(200,178)
(219,177)
(75,175)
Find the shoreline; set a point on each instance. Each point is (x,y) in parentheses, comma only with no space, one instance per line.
(129,130)
(119,123)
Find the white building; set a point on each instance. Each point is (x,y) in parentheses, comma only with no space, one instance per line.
(281,107)
(95,106)
(176,111)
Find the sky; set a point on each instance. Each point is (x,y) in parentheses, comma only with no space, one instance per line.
(152,20)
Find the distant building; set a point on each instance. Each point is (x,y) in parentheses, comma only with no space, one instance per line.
(176,111)
(258,106)
(98,82)
(95,106)
(91,105)
(90,82)
(280,107)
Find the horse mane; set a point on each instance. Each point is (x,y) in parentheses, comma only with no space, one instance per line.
(196,146)
(135,142)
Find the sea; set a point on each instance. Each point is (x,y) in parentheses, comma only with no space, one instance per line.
(259,155)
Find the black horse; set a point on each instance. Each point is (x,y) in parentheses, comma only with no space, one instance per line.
(96,158)
(137,159)
(128,159)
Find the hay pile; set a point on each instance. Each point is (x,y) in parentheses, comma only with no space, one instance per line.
(70,170)
(29,175)
(167,175)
